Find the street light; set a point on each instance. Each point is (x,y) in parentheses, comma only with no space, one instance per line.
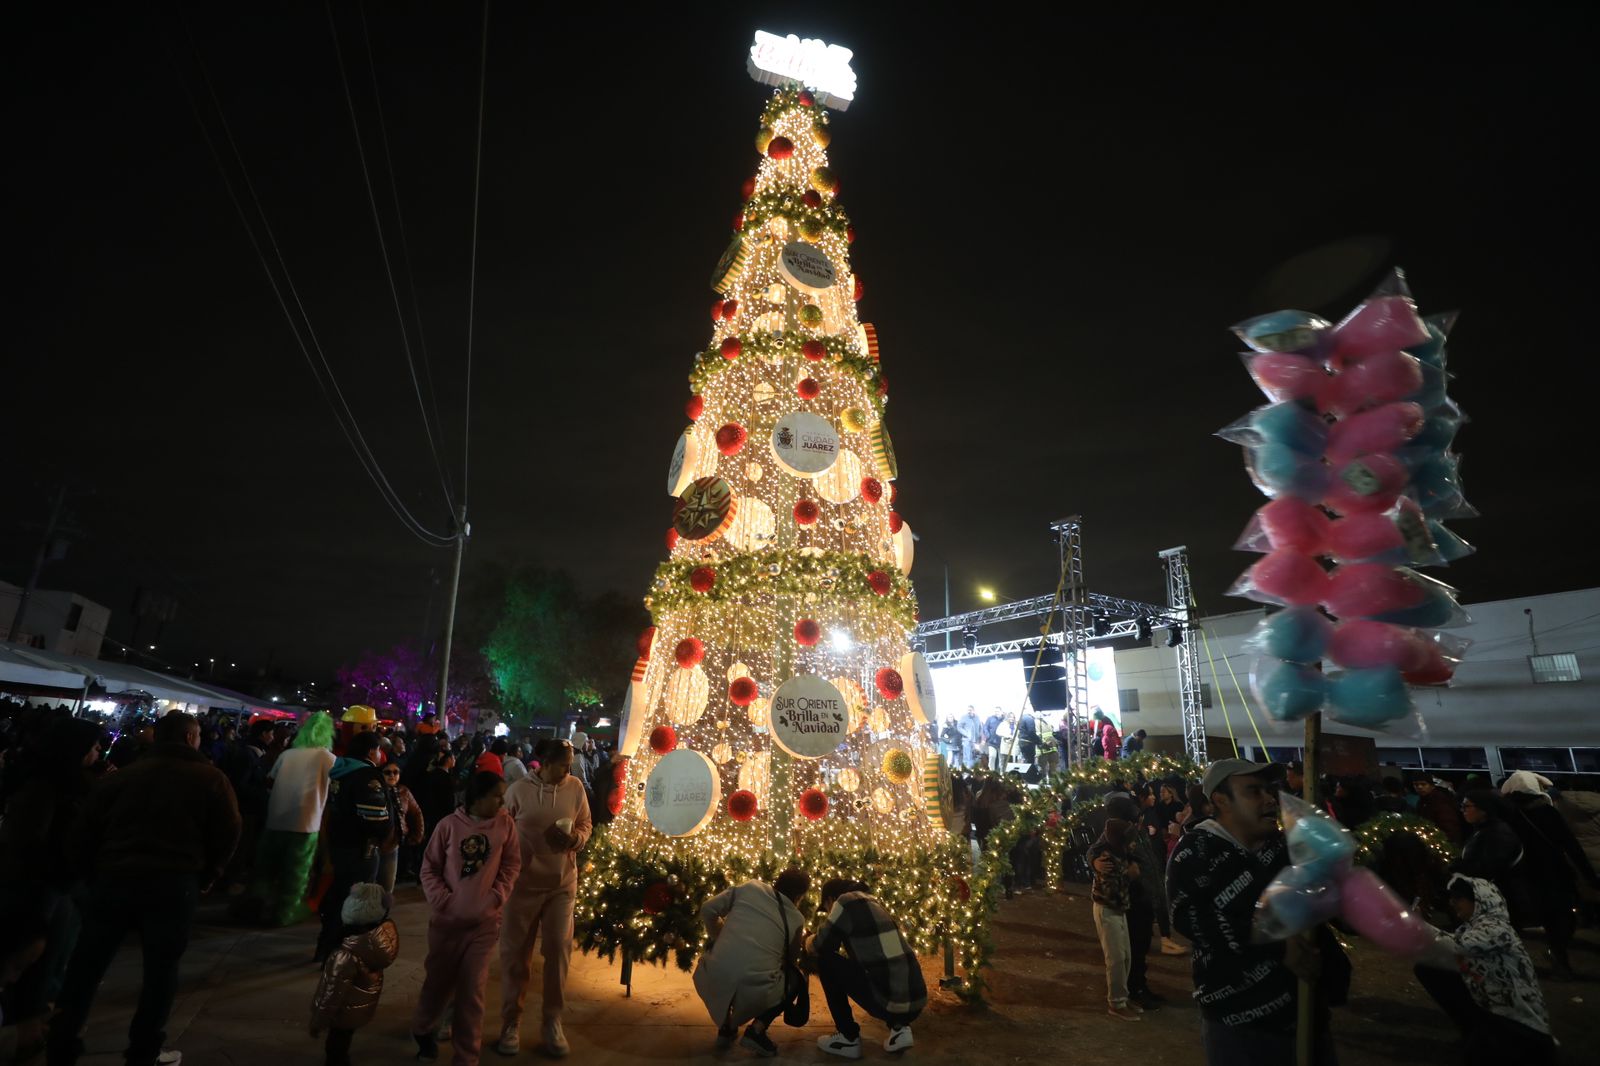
(986,594)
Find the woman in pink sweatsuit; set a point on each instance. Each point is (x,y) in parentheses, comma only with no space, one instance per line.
(541,905)
(469,867)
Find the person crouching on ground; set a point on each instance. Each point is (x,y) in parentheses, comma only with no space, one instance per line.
(1482,977)
(468,870)
(755,929)
(878,969)
(551,813)
(1114,872)
(352,978)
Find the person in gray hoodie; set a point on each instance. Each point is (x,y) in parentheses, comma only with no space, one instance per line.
(551,810)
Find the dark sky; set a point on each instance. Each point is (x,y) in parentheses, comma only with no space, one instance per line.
(1058,220)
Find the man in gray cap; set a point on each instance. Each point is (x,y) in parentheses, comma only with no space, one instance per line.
(1247,992)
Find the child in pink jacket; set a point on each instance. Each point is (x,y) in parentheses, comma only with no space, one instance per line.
(467,873)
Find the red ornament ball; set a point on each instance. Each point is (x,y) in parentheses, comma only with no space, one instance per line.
(871,489)
(805,512)
(879,581)
(748,189)
(814,350)
(738,222)
(849,235)
(962,890)
(663,738)
(890,686)
(742,805)
(702,579)
(689,652)
(731,438)
(805,99)
(808,389)
(694,408)
(811,198)
(813,804)
(646,641)
(895,521)
(619,773)
(780,148)
(859,287)
(730,345)
(729,309)
(672,539)
(883,384)
(807,632)
(894,491)
(742,692)
(657,898)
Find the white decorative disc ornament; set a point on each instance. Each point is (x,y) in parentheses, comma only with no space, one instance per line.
(687,694)
(904,548)
(809,717)
(755,774)
(685,463)
(804,444)
(918,681)
(842,482)
(753,527)
(682,793)
(807,268)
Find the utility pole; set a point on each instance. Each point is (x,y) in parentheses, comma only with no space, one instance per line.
(38,565)
(463,531)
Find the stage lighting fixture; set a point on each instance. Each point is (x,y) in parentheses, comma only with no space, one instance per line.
(1141,629)
(969,641)
(1174,636)
(1098,626)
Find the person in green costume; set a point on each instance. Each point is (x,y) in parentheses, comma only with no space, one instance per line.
(299,790)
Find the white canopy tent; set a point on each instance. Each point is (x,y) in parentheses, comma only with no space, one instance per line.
(20,664)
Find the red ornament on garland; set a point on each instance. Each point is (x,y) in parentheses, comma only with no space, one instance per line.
(805,99)
(729,309)
(859,288)
(738,222)
(742,692)
(890,686)
(663,738)
(813,803)
(962,890)
(805,512)
(849,235)
(808,389)
(883,384)
(807,632)
(748,189)
(780,148)
(871,489)
(814,350)
(619,774)
(731,438)
(879,581)
(646,641)
(695,406)
(894,491)
(716,311)
(811,198)
(689,652)
(672,539)
(657,898)
(730,345)
(742,805)
(702,579)
(895,521)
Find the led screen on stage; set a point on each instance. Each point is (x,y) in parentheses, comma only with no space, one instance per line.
(988,684)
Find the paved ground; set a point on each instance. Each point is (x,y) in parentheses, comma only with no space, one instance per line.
(245,996)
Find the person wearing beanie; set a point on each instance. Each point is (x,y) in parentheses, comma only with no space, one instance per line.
(352,977)
(551,811)
(1114,874)
(470,865)
(356,821)
(297,793)
(1147,898)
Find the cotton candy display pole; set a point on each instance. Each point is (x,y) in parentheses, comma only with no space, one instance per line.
(1354,452)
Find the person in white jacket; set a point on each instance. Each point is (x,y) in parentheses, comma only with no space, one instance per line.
(740,977)
(551,811)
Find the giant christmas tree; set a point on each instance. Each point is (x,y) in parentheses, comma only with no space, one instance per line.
(777,714)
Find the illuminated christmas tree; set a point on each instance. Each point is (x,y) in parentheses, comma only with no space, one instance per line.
(777,714)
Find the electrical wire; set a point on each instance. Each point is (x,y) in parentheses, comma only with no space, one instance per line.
(383,244)
(327,383)
(472,282)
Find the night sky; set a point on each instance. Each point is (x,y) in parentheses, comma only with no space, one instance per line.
(1058,221)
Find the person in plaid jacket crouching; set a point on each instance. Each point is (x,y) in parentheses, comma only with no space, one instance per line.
(877,969)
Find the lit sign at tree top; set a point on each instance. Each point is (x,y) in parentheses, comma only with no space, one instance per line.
(819,66)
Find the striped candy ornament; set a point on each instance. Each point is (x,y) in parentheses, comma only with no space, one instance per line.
(936,792)
(883,453)
(868,334)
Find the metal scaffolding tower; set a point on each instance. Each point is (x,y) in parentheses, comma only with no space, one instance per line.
(1180,601)
(1076,621)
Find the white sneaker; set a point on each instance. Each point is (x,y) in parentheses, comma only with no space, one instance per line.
(510,1042)
(1170,946)
(169,1057)
(899,1039)
(838,1045)
(555,1041)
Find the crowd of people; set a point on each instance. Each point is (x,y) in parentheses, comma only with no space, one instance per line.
(102,836)
(1031,742)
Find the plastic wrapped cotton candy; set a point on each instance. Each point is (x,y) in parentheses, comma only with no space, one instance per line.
(1387,377)
(1370,698)
(1295,634)
(1397,535)
(1284,376)
(1288,691)
(1279,470)
(1317,843)
(1293,902)
(1282,331)
(1386,321)
(1283,577)
(1375,912)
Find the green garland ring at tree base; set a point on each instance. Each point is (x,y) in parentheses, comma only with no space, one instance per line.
(616,888)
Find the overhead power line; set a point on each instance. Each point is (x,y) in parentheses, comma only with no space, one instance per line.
(472,283)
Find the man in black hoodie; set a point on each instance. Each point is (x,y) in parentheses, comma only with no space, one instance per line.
(355,822)
(1247,992)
